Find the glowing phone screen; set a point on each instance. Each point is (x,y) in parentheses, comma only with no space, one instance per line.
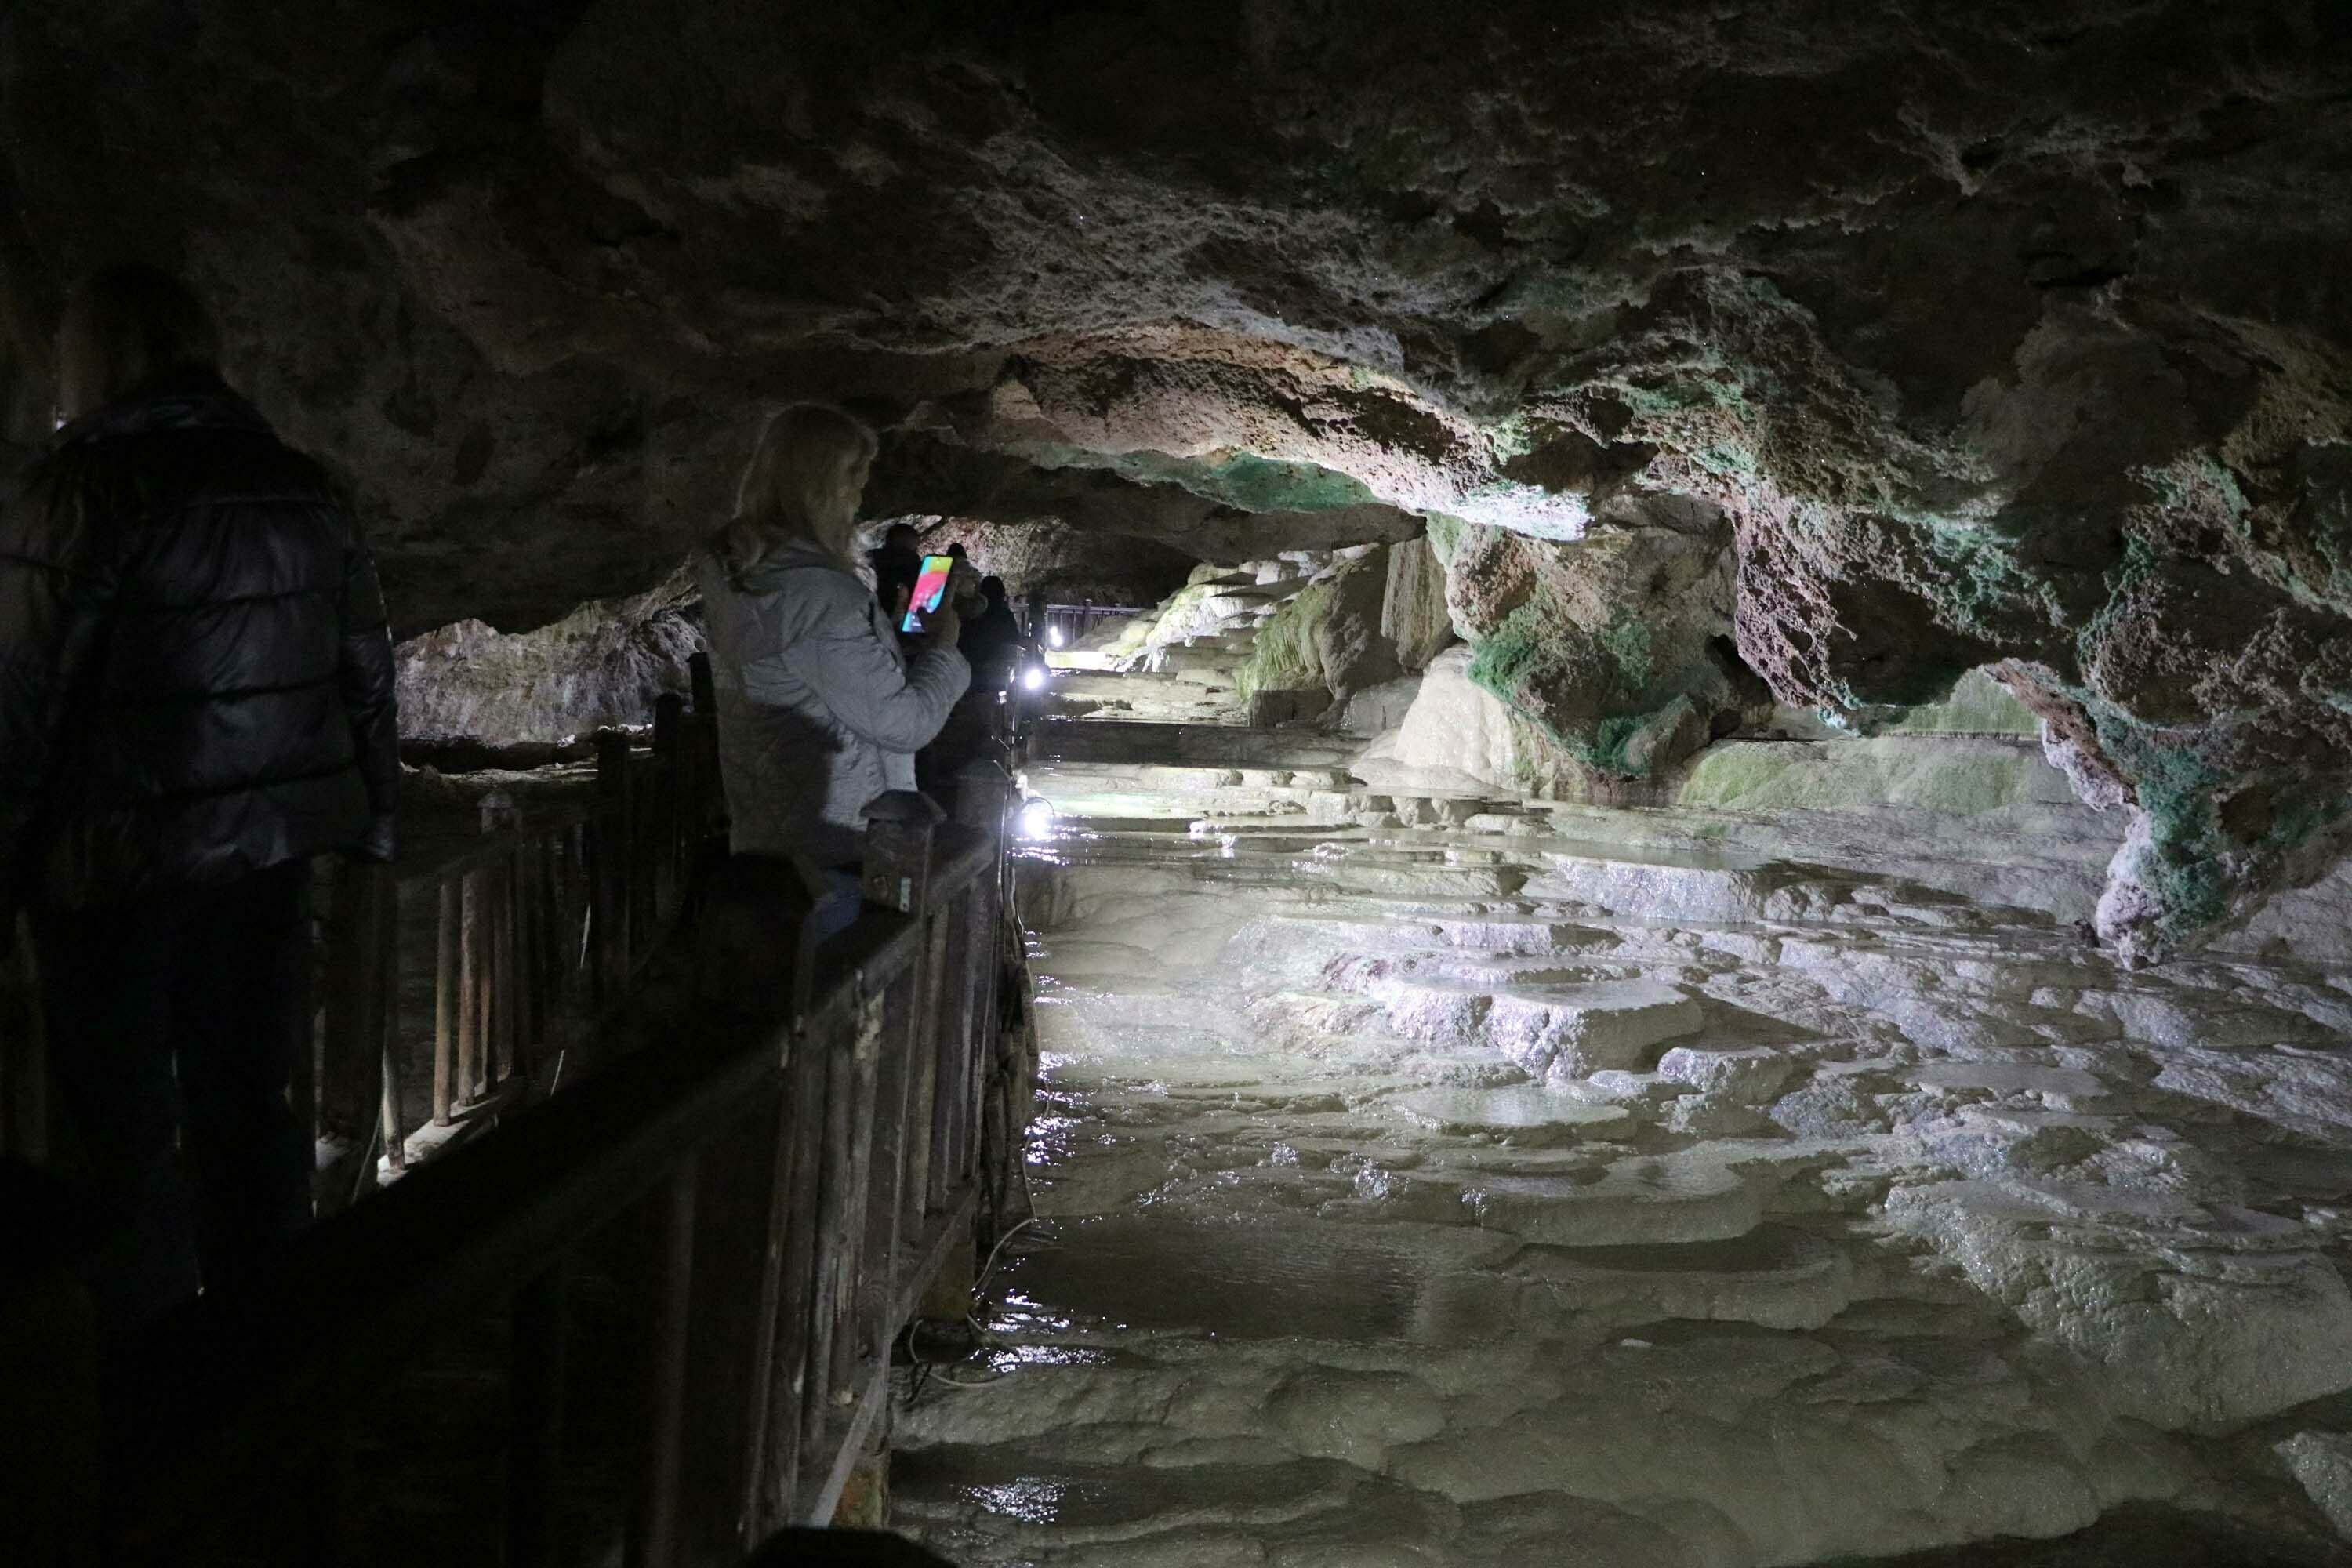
(929,588)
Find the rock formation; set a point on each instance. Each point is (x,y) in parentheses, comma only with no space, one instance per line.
(603,664)
(1994,335)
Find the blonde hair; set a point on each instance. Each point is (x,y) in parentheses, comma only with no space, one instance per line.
(123,328)
(801,486)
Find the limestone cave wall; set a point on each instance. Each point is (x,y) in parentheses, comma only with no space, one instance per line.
(1839,348)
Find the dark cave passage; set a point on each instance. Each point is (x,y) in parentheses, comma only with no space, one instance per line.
(1677,728)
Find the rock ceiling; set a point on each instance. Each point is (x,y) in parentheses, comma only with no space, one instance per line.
(2011,333)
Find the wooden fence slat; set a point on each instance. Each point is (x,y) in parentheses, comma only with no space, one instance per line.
(849,1345)
(923,1154)
(509,1016)
(888,1138)
(659,1532)
(485,973)
(614,822)
(445,1002)
(389,1115)
(469,985)
(539,1350)
(832,1238)
(23,1048)
(761,1507)
(348,1089)
(976,981)
(797,1376)
(950,1031)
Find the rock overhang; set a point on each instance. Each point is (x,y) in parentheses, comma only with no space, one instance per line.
(2000,335)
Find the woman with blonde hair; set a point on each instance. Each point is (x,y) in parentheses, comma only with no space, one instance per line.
(819,712)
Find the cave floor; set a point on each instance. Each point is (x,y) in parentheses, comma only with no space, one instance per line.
(1565,1187)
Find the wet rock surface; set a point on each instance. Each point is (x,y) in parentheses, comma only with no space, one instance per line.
(1555,1184)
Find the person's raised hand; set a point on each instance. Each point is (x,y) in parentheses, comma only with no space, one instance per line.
(942,626)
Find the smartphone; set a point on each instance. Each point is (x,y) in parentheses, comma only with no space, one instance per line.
(929,589)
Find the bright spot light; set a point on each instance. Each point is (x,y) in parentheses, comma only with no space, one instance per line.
(1037,818)
(1054,636)
(1032,679)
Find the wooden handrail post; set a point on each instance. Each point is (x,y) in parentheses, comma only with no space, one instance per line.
(849,1095)
(760,1505)
(445,1002)
(983,796)
(348,1089)
(669,709)
(667,832)
(897,868)
(612,863)
(709,799)
(395,1136)
(798,1377)
(24,1052)
(507,1015)
(541,1326)
(944,1045)
(469,984)
(522,879)
(483,885)
(659,1535)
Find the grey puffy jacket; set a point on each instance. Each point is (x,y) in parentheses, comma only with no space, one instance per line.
(818,711)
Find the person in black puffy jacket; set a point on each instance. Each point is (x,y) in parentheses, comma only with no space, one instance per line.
(196,697)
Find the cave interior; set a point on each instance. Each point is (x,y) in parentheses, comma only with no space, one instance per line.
(1777,579)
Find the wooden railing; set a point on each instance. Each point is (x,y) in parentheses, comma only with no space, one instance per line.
(1075,621)
(524,932)
(801,1179)
(537,923)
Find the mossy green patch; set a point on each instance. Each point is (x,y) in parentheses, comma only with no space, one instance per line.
(2196,482)
(1605,752)
(1627,640)
(1955,778)
(2140,562)
(1502,661)
(1445,532)
(1261,484)
(2173,786)
(1533,649)
(1977,705)
(1284,657)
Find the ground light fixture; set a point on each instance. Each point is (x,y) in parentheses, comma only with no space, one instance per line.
(1037,818)
(1034,678)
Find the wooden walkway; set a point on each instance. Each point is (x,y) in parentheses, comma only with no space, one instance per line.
(650,1319)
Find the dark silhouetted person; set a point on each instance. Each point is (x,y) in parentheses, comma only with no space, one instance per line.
(992,641)
(196,697)
(896,564)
